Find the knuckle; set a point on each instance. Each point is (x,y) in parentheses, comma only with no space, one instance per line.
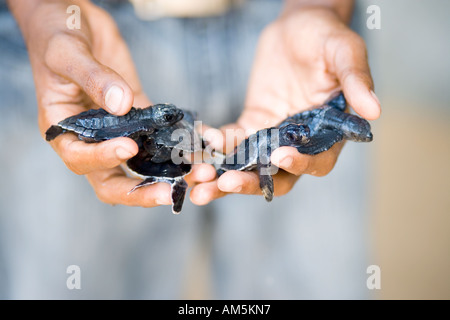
(102,193)
(356,40)
(285,187)
(91,83)
(103,197)
(53,50)
(301,165)
(73,167)
(326,165)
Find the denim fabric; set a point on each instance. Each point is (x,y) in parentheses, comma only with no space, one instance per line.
(311,243)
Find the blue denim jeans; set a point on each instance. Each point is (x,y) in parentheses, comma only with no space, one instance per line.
(311,243)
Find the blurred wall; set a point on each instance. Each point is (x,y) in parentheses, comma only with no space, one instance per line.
(410,63)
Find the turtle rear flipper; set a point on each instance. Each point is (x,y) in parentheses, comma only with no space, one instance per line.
(178,190)
(265,181)
(266,185)
(53,132)
(179,187)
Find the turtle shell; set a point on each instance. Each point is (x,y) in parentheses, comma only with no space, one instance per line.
(98,125)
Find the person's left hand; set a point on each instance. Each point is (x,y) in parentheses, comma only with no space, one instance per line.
(302,58)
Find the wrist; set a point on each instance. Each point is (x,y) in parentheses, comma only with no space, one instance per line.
(342,8)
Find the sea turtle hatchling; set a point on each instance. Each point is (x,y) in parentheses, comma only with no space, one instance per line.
(161,157)
(98,125)
(254,152)
(318,130)
(329,124)
(151,128)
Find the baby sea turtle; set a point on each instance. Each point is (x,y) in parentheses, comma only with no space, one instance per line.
(152,129)
(161,157)
(254,152)
(316,130)
(329,124)
(98,125)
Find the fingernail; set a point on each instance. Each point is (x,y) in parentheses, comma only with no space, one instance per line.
(286,162)
(237,189)
(375,96)
(113,98)
(123,153)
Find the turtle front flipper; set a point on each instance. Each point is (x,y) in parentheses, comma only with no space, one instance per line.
(265,181)
(179,187)
(321,141)
(146,182)
(53,132)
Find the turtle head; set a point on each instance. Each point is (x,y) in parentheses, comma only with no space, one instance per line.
(165,115)
(357,129)
(294,135)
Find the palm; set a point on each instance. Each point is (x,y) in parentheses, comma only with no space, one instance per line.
(291,71)
(75,71)
(301,59)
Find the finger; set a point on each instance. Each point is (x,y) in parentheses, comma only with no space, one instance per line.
(234,134)
(83,158)
(141,100)
(213,137)
(201,173)
(204,193)
(347,57)
(243,182)
(71,57)
(290,160)
(112,187)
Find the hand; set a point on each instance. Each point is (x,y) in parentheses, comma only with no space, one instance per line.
(76,70)
(301,59)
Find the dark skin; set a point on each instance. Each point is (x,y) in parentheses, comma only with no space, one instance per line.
(75,70)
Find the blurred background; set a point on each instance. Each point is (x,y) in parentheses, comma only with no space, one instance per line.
(386,203)
(410,179)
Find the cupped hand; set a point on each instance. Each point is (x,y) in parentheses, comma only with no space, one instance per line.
(302,58)
(75,70)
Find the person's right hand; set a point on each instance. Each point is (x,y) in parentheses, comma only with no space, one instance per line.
(75,70)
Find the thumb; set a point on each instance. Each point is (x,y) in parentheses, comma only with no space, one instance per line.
(347,57)
(71,57)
